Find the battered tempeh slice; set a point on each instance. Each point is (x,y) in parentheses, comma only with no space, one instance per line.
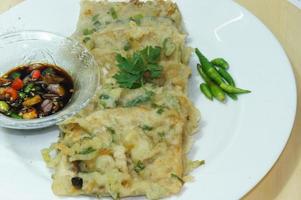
(128,37)
(121,152)
(159,99)
(97,15)
(112,40)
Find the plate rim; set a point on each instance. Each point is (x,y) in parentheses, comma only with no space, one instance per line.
(292,121)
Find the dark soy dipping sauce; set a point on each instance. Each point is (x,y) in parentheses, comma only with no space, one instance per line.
(35,91)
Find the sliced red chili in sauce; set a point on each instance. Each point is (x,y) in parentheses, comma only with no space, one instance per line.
(17,84)
(35,91)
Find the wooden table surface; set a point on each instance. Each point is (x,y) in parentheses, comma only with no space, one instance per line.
(284,180)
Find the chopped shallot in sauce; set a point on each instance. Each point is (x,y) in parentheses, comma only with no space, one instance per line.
(35,91)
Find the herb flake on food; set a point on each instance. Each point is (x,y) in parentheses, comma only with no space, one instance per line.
(178,178)
(111,130)
(201,162)
(161,135)
(104,100)
(127,46)
(113,13)
(104,97)
(160,108)
(86,39)
(88,31)
(87,150)
(95,17)
(168,47)
(140,99)
(137,19)
(146,128)
(113,134)
(97,24)
(139,166)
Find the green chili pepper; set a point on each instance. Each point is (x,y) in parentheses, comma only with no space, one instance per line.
(209,69)
(4,107)
(203,75)
(28,88)
(15,75)
(37,88)
(15,116)
(204,87)
(233,90)
(232,96)
(48,71)
(211,75)
(22,95)
(217,92)
(226,76)
(220,62)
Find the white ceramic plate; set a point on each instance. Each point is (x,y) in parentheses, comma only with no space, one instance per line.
(240,141)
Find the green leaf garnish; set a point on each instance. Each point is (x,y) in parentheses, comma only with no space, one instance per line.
(139,68)
(151,54)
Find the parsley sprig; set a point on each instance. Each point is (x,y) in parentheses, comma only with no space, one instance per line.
(140,68)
